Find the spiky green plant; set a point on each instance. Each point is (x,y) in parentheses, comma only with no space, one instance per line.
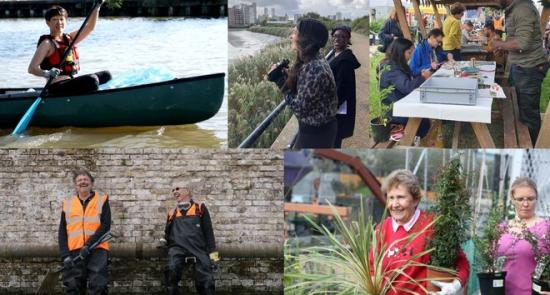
(351,263)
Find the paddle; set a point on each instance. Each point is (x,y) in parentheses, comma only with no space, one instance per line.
(27,117)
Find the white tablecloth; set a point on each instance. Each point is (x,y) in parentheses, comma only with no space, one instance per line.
(410,105)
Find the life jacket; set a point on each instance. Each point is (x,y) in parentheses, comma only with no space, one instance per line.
(82,224)
(185,231)
(194,210)
(71,65)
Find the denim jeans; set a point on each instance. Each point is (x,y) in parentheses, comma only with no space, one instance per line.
(528,82)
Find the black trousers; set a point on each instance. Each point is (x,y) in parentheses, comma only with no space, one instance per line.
(323,136)
(92,272)
(204,280)
(528,83)
(79,85)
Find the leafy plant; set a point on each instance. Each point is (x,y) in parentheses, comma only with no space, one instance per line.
(377,109)
(453,206)
(351,263)
(361,25)
(377,25)
(487,244)
(114,4)
(541,251)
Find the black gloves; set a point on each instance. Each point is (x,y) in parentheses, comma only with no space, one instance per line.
(84,252)
(68,262)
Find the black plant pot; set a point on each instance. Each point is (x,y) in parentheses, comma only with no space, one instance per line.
(491,283)
(539,285)
(380,133)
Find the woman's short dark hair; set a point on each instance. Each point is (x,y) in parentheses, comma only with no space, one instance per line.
(55,11)
(396,52)
(457,8)
(79,172)
(312,36)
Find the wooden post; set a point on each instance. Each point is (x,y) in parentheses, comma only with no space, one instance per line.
(543,141)
(544,19)
(437,16)
(402,20)
(419,18)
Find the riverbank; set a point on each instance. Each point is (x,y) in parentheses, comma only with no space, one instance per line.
(251,98)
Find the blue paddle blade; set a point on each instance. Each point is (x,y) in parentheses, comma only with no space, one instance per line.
(26,119)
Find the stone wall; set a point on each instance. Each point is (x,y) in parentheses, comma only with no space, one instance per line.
(241,188)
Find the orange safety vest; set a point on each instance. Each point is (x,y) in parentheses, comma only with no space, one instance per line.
(194,210)
(82,224)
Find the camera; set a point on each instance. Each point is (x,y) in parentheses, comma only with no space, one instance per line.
(278,76)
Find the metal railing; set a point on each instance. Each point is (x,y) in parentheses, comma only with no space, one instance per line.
(252,137)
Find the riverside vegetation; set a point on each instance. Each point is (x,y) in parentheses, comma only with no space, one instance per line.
(251,98)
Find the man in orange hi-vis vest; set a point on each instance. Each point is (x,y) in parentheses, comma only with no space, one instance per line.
(85,218)
(190,239)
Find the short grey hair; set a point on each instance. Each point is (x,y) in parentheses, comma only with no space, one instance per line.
(402,177)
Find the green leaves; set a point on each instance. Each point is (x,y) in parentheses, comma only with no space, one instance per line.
(487,244)
(453,206)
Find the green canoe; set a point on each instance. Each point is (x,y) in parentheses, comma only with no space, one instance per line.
(174,102)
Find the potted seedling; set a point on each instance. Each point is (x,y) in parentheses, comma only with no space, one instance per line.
(452,207)
(491,278)
(379,123)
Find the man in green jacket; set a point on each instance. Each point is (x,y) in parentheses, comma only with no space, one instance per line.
(527,57)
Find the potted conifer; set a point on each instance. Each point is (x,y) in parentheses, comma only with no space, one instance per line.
(452,207)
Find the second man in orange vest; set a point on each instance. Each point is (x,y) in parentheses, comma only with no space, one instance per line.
(85,218)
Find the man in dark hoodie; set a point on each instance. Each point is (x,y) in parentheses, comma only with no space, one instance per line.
(343,63)
(190,239)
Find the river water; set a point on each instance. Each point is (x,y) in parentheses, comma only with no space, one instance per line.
(245,43)
(181,46)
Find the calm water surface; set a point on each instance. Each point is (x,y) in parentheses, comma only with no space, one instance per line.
(185,47)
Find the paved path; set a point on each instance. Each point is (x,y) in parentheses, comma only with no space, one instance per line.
(360,138)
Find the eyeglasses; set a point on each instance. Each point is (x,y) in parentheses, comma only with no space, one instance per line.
(175,189)
(527,199)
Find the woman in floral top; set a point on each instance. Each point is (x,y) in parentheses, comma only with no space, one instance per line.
(310,89)
(514,243)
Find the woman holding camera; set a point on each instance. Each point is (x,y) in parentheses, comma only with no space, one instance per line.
(343,63)
(309,88)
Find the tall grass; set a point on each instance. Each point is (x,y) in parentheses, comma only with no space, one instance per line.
(251,98)
(272,30)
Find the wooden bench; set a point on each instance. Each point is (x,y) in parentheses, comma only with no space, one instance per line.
(383,145)
(516,134)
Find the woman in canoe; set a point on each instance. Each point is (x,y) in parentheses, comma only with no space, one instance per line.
(50,49)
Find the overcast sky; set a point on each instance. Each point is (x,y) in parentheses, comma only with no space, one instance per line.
(348,8)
